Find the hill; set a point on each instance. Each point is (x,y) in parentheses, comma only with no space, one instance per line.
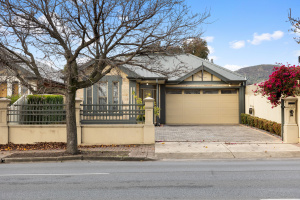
(257,73)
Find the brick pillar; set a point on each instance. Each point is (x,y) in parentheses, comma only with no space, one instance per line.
(149,129)
(77,107)
(3,120)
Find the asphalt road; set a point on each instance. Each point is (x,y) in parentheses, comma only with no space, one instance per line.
(222,179)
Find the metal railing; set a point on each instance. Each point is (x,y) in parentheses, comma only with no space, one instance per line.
(112,113)
(37,114)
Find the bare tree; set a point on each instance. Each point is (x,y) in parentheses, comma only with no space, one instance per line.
(64,33)
(295,22)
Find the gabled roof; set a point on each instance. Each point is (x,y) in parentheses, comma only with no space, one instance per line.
(46,71)
(179,67)
(174,68)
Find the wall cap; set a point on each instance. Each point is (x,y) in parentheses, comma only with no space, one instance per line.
(290,99)
(148,99)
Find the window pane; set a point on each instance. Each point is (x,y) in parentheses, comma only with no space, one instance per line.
(210,91)
(15,89)
(116,89)
(89,95)
(191,91)
(232,91)
(115,100)
(174,91)
(147,93)
(24,90)
(102,89)
(102,100)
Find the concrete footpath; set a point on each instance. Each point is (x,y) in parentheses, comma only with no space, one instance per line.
(161,151)
(225,150)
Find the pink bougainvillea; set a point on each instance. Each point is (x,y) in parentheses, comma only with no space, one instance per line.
(282,82)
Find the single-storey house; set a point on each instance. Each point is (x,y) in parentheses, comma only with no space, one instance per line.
(186,88)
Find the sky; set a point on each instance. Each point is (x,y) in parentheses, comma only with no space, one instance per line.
(243,33)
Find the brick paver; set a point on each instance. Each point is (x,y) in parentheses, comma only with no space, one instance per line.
(212,133)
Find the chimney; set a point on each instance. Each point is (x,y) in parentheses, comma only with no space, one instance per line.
(212,60)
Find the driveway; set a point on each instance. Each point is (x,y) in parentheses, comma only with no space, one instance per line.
(213,133)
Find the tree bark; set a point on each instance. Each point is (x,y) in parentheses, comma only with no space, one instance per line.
(71,122)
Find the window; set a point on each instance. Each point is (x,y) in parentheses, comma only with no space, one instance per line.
(15,88)
(102,95)
(89,99)
(174,91)
(3,89)
(115,96)
(115,92)
(191,91)
(230,91)
(210,91)
(24,90)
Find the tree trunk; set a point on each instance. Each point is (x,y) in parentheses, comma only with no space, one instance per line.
(71,122)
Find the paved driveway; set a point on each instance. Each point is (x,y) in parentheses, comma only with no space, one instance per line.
(213,133)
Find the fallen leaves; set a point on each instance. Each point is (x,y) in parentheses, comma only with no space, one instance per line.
(52,146)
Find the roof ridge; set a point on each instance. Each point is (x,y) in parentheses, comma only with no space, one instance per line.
(207,61)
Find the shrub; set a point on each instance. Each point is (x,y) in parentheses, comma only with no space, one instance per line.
(277,129)
(45,99)
(255,121)
(260,123)
(43,109)
(270,124)
(263,124)
(244,118)
(251,120)
(13,99)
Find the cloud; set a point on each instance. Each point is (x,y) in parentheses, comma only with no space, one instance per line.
(209,38)
(211,49)
(257,39)
(233,67)
(237,44)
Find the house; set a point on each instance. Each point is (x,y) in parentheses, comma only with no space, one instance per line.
(10,85)
(186,88)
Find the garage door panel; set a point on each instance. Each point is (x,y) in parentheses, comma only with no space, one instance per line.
(202,109)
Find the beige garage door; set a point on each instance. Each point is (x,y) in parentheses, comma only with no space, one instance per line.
(215,106)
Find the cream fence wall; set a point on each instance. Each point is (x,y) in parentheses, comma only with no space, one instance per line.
(105,134)
(261,107)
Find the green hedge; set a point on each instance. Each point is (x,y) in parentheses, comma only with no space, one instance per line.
(263,124)
(44,109)
(45,99)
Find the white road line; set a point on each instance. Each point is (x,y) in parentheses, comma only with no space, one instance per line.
(80,174)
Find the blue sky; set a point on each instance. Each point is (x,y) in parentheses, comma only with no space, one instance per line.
(249,32)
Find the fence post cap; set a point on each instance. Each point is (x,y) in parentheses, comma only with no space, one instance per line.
(77,99)
(148,99)
(5,100)
(290,98)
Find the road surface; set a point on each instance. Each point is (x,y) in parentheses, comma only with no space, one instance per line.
(221,179)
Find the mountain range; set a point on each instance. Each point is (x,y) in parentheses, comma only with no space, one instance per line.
(257,73)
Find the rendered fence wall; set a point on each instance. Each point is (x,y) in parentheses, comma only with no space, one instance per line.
(87,134)
(261,107)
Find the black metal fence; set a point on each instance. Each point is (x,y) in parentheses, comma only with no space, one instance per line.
(112,113)
(37,114)
(89,114)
